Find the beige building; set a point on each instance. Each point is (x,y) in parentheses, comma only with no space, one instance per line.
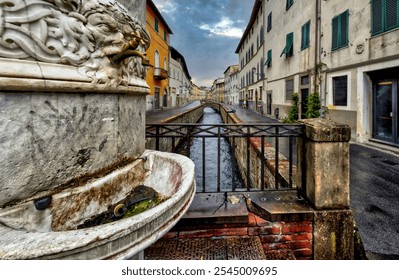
(179,79)
(251,59)
(346,51)
(231,84)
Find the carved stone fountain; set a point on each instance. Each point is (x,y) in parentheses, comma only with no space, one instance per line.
(72,122)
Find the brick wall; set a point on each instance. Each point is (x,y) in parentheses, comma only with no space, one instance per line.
(294,240)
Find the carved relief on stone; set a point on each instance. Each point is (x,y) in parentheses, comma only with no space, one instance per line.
(99,37)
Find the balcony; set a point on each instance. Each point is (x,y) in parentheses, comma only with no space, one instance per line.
(160,74)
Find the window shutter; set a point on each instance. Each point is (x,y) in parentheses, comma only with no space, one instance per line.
(335,44)
(344,29)
(377,16)
(290,43)
(391,8)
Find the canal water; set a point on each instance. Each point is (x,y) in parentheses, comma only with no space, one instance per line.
(230,178)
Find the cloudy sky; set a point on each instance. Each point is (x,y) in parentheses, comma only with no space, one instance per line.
(206,33)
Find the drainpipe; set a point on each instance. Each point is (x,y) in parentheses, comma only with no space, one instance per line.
(316,52)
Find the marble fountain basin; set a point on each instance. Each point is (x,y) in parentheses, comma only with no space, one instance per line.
(52,233)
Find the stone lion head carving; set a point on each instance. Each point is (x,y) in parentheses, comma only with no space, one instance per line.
(97,36)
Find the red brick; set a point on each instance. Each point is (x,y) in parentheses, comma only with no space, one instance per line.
(301,245)
(231,232)
(269,239)
(262,222)
(286,229)
(283,238)
(302,236)
(301,228)
(263,231)
(303,254)
(251,220)
(170,235)
(196,233)
(269,246)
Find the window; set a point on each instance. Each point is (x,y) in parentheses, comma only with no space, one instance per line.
(384,15)
(269,22)
(340,91)
(156,25)
(289,4)
(262,35)
(340,31)
(289,45)
(289,89)
(165,36)
(269,59)
(305,36)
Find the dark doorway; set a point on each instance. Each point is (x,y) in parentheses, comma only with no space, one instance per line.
(269,103)
(385,114)
(156,99)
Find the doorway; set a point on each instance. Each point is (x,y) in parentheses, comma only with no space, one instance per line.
(385,113)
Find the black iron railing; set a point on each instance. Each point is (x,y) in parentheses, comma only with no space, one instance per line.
(266,153)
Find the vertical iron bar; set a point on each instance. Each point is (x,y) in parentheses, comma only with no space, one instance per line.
(276,159)
(203,164)
(173,144)
(188,141)
(262,171)
(157,138)
(219,159)
(233,162)
(290,159)
(248,159)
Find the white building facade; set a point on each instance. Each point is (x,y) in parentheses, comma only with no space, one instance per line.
(231,84)
(346,51)
(251,60)
(179,79)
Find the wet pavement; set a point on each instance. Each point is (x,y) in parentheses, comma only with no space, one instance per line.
(374,187)
(160,115)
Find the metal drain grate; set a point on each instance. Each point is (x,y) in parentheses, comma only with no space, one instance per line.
(226,248)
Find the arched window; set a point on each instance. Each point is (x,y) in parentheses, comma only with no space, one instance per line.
(156,59)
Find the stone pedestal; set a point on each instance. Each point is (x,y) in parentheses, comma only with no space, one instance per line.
(325,169)
(326,152)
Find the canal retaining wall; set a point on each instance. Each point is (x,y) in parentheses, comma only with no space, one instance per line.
(192,115)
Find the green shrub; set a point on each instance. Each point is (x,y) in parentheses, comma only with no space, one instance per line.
(293,115)
(313,108)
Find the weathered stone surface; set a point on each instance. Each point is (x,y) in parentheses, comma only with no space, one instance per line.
(322,130)
(326,165)
(27,233)
(51,139)
(333,235)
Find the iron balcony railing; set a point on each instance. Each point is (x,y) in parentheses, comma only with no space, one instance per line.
(270,149)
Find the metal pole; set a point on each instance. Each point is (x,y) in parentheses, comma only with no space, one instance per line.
(276,159)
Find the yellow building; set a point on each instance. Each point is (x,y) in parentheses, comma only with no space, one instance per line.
(158,55)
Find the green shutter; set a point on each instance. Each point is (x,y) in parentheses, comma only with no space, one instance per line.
(305,35)
(344,28)
(335,43)
(290,44)
(377,12)
(391,17)
(156,25)
(289,4)
(269,58)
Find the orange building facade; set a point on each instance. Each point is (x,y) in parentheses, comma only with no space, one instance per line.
(158,55)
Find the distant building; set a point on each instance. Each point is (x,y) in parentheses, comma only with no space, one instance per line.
(231,84)
(179,79)
(217,90)
(198,93)
(251,59)
(158,55)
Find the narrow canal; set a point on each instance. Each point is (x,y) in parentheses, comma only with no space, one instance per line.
(230,179)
